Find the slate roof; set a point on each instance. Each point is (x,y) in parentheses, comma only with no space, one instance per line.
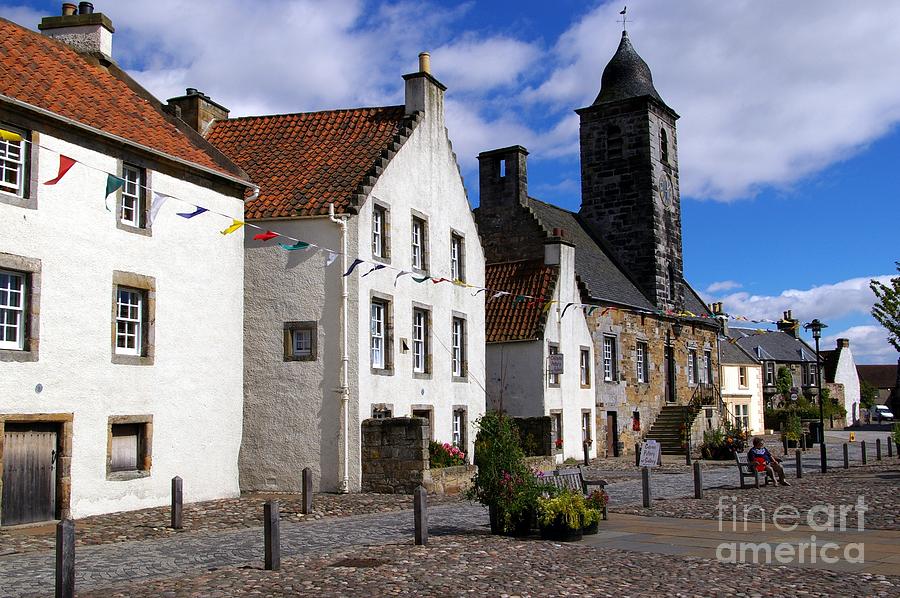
(773,345)
(302,162)
(48,74)
(733,354)
(879,376)
(508,320)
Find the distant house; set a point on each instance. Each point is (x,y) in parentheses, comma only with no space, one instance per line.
(840,373)
(523,379)
(742,387)
(886,378)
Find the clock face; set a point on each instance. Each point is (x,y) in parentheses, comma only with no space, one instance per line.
(665,190)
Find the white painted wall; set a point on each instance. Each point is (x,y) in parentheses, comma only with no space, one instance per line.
(846,374)
(751,394)
(193,390)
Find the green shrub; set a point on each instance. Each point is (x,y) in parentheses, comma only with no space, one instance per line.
(895,432)
(566,507)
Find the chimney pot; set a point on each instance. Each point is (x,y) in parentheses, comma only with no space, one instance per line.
(85,8)
(843,343)
(424,62)
(191,91)
(68,9)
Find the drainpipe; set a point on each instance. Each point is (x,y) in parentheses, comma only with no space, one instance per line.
(344,390)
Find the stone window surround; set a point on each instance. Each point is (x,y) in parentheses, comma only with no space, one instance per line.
(145,460)
(458,235)
(31,267)
(429,343)
(550,384)
(465,346)
(743,372)
(289,328)
(590,427)
(147,284)
(29,200)
(425,240)
(615,370)
(581,364)
(463,429)
(146,230)
(63,457)
(389,407)
(648,363)
(430,418)
(385,258)
(559,428)
(388,300)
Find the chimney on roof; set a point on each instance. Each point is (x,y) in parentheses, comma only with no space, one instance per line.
(789,324)
(86,32)
(197,109)
(719,313)
(502,178)
(423,91)
(843,343)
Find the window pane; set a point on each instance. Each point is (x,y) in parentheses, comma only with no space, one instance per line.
(12,164)
(132,193)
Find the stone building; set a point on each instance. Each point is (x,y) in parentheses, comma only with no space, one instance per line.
(654,341)
(121,351)
(402,335)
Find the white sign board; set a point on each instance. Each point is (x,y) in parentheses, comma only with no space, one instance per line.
(650,453)
(555,363)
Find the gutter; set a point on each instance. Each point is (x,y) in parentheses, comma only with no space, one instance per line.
(344,389)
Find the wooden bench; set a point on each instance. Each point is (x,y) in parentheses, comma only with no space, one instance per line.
(748,470)
(572,479)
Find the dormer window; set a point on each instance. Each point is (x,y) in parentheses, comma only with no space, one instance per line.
(664,146)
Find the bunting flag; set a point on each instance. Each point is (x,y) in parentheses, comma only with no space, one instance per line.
(519,299)
(299,245)
(377,267)
(592,309)
(402,273)
(478,292)
(547,306)
(113,183)
(235,225)
(65,163)
(196,212)
(499,294)
(421,279)
(605,311)
(266,236)
(437,280)
(10,136)
(565,309)
(330,259)
(158,200)
(352,267)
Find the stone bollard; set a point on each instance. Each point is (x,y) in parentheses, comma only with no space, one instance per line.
(65,559)
(637,455)
(784,444)
(420,513)
(865,457)
(798,456)
(698,481)
(645,486)
(307,492)
(890,447)
(587,456)
(687,452)
(272,535)
(846,456)
(878,449)
(177,502)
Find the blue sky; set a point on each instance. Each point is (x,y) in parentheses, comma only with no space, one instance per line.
(788,138)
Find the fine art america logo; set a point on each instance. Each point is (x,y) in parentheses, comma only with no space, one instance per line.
(787,518)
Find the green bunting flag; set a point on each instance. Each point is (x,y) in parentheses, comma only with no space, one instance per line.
(113,183)
(422,279)
(295,246)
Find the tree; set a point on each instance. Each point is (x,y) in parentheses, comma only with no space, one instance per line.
(784,382)
(868,394)
(887,308)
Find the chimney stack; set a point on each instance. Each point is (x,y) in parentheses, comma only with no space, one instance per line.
(843,343)
(197,109)
(789,325)
(86,32)
(502,177)
(423,91)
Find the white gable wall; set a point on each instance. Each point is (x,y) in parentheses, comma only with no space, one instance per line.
(846,374)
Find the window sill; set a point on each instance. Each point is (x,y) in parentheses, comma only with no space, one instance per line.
(137,230)
(382,260)
(552,385)
(124,476)
(17,200)
(18,356)
(585,386)
(463,379)
(422,375)
(382,371)
(132,359)
(288,358)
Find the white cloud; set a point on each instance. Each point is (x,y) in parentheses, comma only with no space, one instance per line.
(482,64)
(724,285)
(25,16)
(867,343)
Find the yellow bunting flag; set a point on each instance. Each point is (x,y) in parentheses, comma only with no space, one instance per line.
(235,224)
(10,136)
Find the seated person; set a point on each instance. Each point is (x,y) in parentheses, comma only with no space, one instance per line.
(760,457)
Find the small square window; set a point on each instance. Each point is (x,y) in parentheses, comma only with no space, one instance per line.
(128,451)
(300,341)
(382,412)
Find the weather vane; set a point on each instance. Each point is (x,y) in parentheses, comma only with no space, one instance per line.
(624,20)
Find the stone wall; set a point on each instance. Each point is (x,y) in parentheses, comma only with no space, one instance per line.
(451,480)
(395,455)
(535,435)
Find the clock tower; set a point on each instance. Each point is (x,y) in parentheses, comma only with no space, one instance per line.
(629,177)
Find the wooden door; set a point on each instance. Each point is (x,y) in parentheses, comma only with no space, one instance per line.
(29,473)
(612,434)
(670,375)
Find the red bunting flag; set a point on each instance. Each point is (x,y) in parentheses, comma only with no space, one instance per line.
(65,163)
(266,236)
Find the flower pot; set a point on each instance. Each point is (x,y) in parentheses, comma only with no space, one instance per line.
(591,528)
(558,531)
(520,528)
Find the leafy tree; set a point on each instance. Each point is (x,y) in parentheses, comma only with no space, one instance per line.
(887,309)
(868,394)
(784,382)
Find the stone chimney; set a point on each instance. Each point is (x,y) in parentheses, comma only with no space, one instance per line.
(843,343)
(719,313)
(559,251)
(197,109)
(423,91)
(503,177)
(83,29)
(789,324)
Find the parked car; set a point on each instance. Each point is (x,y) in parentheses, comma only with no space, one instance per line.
(882,413)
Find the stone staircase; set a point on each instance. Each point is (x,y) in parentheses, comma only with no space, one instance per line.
(667,428)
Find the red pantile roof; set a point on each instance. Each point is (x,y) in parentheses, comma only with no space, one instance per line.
(48,74)
(508,319)
(303,162)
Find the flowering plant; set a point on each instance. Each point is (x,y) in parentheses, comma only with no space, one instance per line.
(559,443)
(445,455)
(597,500)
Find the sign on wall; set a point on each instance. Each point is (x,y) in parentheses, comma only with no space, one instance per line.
(650,453)
(555,363)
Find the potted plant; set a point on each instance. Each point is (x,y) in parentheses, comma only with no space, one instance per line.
(562,516)
(793,429)
(596,503)
(445,455)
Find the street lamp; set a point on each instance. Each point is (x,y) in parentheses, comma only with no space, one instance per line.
(816,327)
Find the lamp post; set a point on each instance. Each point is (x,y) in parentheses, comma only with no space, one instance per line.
(816,327)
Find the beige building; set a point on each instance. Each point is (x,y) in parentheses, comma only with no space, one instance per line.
(742,387)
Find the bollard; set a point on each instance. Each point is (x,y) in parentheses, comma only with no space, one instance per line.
(65,559)
(587,449)
(890,447)
(846,456)
(784,444)
(637,455)
(798,455)
(865,457)
(878,449)
(420,513)
(687,452)
(645,486)
(177,500)
(272,535)
(698,481)
(823,456)
(307,492)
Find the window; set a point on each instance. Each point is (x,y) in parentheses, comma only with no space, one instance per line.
(457,262)
(664,145)
(556,432)
(129,321)
(425,413)
(128,447)
(613,142)
(742,377)
(692,366)
(378,319)
(382,412)
(609,358)
(131,209)
(585,362)
(586,428)
(459,347)
(419,244)
(552,377)
(13,162)
(12,310)
(742,416)
(643,366)
(459,427)
(300,341)
(707,367)
(770,373)
(420,341)
(380,232)
(811,374)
